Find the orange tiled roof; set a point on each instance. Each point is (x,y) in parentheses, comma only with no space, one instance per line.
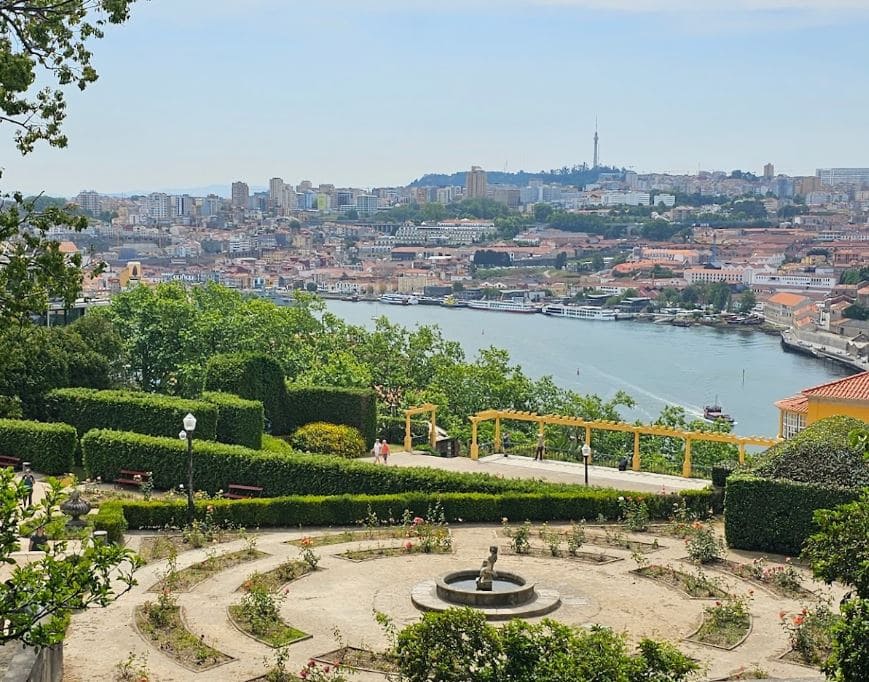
(797,403)
(850,388)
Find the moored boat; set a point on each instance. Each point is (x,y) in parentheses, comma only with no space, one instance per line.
(580,312)
(399,299)
(504,306)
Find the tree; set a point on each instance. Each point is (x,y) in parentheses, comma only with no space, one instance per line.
(542,212)
(36,601)
(561,261)
(48,37)
(597,263)
(747,301)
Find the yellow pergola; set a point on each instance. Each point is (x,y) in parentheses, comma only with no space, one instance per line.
(433,430)
(589,426)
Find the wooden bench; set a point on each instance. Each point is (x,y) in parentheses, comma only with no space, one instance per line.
(128,477)
(9,461)
(243,492)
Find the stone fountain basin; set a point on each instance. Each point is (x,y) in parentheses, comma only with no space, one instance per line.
(508,589)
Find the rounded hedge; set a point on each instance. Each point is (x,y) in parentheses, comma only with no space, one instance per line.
(330,439)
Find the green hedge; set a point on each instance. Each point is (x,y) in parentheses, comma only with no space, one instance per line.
(215,466)
(253,376)
(148,413)
(775,516)
(239,421)
(351,406)
(50,448)
(347,510)
(110,518)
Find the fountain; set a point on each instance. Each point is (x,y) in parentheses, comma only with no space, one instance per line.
(498,594)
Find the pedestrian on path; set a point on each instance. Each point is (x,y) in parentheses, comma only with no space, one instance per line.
(377,450)
(29,481)
(384,451)
(541,447)
(38,541)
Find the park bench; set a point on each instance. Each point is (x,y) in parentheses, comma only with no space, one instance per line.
(9,461)
(243,492)
(129,477)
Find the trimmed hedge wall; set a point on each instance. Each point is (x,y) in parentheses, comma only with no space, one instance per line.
(253,376)
(347,510)
(50,448)
(355,407)
(148,413)
(775,516)
(215,466)
(239,421)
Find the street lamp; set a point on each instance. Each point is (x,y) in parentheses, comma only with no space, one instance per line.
(187,434)
(586,455)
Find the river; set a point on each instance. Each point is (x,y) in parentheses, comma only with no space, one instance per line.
(656,364)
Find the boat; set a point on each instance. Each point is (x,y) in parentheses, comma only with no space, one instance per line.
(430,300)
(453,302)
(398,299)
(354,298)
(504,306)
(580,312)
(714,413)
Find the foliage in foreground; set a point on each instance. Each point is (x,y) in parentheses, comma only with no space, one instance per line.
(459,644)
(36,601)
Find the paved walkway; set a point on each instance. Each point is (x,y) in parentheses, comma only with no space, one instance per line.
(514,466)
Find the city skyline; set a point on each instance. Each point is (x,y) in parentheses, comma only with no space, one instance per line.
(378,93)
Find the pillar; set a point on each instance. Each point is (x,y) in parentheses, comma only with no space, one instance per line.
(408,441)
(498,445)
(781,423)
(475,448)
(433,436)
(588,442)
(635,465)
(686,464)
(742,453)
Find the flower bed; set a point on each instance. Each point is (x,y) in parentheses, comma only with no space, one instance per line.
(388,533)
(156,547)
(277,577)
(694,586)
(726,624)
(162,625)
(783,581)
(273,632)
(585,557)
(360,659)
(187,578)
(810,635)
(407,548)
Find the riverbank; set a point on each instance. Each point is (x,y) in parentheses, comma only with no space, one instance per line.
(792,344)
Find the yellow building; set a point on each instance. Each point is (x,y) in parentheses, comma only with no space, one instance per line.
(848,397)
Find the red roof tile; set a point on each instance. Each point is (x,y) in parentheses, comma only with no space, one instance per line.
(850,388)
(797,403)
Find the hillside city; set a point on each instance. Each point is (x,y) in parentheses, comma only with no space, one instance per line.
(642,242)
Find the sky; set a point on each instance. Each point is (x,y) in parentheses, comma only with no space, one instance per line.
(369,93)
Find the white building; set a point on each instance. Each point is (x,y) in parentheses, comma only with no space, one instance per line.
(157,206)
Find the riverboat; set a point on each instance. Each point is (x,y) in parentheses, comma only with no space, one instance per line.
(430,300)
(504,306)
(399,299)
(714,413)
(453,302)
(581,312)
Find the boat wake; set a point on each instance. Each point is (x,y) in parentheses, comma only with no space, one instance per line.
(692,410)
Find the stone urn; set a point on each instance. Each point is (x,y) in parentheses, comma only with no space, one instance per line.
(75,507)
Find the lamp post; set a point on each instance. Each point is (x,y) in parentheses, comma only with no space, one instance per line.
(586,455)
(187,434)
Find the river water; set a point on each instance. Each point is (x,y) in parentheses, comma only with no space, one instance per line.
(656,364)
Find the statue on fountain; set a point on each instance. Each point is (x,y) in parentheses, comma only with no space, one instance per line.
(487,570)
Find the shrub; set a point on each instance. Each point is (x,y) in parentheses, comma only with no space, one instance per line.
(50,448)
(252,376)
(703,545)
(111,519)
(216,465)
(239,421)
(148,413)
(775,516)
(822,454)
(850,659)
(331,439)
(350,406)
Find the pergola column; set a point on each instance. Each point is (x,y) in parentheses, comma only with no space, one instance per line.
(475,448)
(635,465)
(686,464)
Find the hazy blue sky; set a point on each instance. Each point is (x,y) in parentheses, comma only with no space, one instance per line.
(378,92)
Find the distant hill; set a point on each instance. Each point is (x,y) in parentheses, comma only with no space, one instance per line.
(567,175)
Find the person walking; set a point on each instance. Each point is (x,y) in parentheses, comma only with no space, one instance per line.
(29,481)
(384,451)
(541,447)
(377,450)
(38,541)
(506,444)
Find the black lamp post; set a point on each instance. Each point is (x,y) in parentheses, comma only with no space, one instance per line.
(586,455)
(187,434)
